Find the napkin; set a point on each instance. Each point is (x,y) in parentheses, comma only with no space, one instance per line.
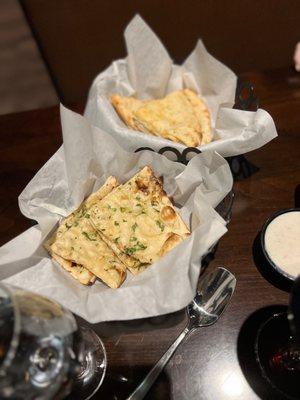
(148,72)
(88,156)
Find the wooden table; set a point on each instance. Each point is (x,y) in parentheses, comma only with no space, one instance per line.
(210,364)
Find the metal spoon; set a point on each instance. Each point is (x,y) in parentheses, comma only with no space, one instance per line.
(214,293)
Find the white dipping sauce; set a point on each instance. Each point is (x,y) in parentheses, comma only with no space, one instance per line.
(282,242)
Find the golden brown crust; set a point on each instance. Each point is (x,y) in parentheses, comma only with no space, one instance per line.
(170,243)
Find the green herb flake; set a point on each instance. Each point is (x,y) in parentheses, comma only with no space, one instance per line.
(116,239)
(89,237)
(140,246)
(138,198)
(116,223)
(76,223)
(68,226)
(114,209)
(161,225)
(138,205)
(130,250)
(134,226)
(122,209)
(87,215)
(124,220)
(133,239)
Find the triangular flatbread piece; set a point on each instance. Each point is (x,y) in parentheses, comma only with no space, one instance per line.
(139,219)
(79,242)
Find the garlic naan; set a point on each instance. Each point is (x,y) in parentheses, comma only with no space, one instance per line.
(78,272)
(139,219)
(79,242)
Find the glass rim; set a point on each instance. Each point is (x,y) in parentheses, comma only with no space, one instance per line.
(14,341)
(105,362)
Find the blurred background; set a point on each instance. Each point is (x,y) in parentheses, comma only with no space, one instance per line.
(50,50)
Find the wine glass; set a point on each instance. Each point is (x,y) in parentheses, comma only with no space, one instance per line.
(43,352)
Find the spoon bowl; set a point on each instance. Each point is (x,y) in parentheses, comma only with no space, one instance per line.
(213,295)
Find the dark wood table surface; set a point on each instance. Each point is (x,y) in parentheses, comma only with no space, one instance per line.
(215,362)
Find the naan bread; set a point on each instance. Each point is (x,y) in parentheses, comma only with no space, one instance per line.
(181,116)
(202,115)
(79,242)
(139,219)
(171,117)
(78,272)
(125,107)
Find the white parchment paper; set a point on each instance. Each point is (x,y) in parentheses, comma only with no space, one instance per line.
(148,72)
(88,156)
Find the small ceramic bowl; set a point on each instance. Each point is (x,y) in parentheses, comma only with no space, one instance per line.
(269,263)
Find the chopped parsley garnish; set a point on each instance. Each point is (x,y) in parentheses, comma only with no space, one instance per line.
(114,209)
(134,226)
(87,215)
(138,198)
(116,239)
(138,205)
(130,250)
(88,236)
(122,209)
(116,223)
(103,229)
(68,226)
(124,220)
(133,239)
(160,224)
(76,223)
(138,246)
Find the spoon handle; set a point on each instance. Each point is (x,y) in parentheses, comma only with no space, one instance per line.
(151,377)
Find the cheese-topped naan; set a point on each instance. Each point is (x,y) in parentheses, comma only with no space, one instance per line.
(79,242)
(139,219)
(181,116)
